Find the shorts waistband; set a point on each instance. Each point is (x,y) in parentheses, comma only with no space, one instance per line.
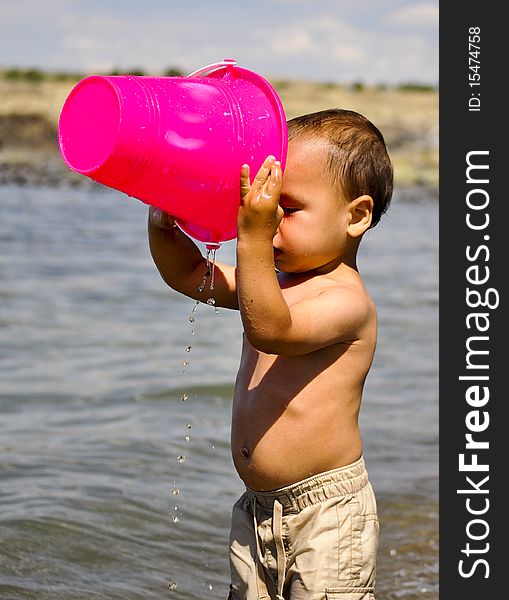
(318,488)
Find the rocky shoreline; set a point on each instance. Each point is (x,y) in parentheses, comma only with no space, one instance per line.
(29,112)
(49,173)
(46,174)
(53,173)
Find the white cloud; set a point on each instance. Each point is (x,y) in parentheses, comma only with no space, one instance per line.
(343,43)
(329,48)
(18,13)
(350,52)
(100,42)
(299,42)
(424,14)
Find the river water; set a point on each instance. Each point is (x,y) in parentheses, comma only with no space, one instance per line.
(116,480)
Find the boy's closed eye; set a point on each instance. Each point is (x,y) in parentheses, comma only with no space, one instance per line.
(290,204)
(289,210)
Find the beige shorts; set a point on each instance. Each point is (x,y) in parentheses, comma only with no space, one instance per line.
(313,540)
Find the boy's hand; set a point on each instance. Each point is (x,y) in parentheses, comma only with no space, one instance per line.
(259,213)
(159,218)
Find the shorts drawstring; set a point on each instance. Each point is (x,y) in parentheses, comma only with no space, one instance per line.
(261,586)
(277,532)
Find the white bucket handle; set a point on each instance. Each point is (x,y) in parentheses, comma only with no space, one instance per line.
(227,62)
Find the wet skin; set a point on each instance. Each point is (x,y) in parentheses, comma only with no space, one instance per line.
(295,411)
(309,328)
(296,416)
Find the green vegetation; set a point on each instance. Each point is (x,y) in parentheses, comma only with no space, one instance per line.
(35,75)
(173,72)
(282,84)
(134,71)
(415,87)
(27,74)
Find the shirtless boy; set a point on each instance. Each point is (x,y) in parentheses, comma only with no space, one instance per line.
(306,528)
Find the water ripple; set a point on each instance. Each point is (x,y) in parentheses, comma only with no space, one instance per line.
(92,349)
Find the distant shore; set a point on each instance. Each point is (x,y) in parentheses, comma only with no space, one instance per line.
(407,117)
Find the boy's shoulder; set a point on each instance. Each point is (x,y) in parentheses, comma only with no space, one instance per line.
(351,293)
(338,292)
(311,284)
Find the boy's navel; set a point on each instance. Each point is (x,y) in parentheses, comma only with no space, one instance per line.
(245,452)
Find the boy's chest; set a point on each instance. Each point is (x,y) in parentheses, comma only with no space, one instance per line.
(300,290)
(265,374)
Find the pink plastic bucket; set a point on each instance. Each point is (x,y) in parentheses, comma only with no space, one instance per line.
(177,143)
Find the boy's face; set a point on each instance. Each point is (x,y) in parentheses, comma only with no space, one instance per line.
(312,233)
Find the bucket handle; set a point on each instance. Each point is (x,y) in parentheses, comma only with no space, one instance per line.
(227,62)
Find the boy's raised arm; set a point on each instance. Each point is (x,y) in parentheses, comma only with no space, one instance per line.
(182,265)
(271,326)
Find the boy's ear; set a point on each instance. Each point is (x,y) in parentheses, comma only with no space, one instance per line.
(361,213)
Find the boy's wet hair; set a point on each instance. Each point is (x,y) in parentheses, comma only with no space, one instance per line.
(357,158)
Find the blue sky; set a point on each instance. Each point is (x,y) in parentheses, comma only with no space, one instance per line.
(374,41)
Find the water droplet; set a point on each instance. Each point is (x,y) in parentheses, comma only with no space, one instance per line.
(172,585)
(184,397)
(188,426)
(211,587)
(393,552)
(191,316)
(175,491)
(188,349)
(213,252)
(181,459)
(211,302)
(211,265)
(186,363)
(175,519)
(187,438)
